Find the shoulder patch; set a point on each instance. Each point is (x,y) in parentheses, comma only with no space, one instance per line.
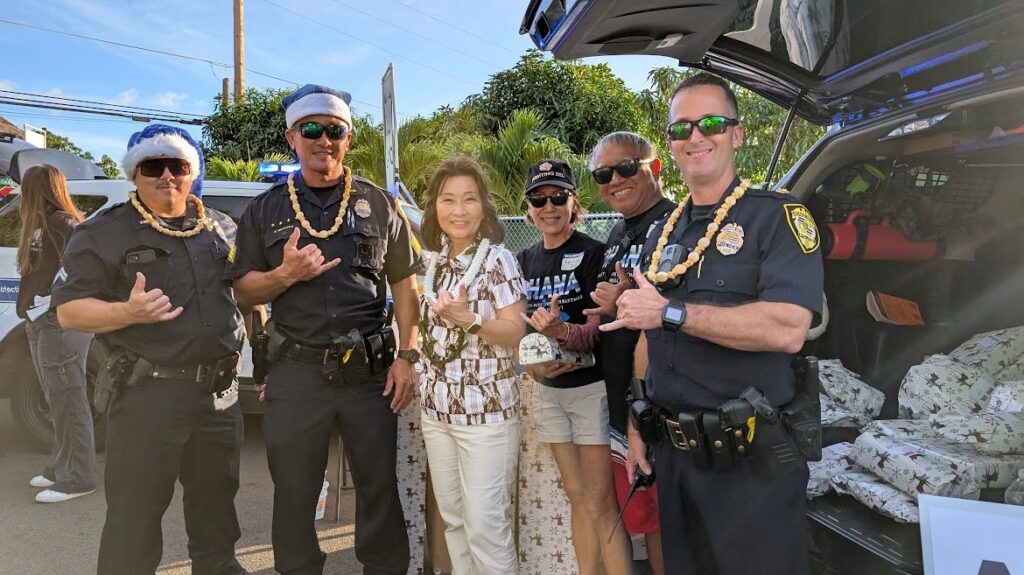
(801,223)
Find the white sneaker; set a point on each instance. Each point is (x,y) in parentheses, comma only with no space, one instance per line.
(51,496)
(40,481)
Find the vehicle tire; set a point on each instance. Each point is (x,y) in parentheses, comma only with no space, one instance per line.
(31,411)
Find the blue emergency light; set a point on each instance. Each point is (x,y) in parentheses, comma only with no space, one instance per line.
(277,169)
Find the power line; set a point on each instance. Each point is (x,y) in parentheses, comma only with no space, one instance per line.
(87,110)
(460,29)
(107,104)
(417,34)
(368,43)
(22,114)
(165,53)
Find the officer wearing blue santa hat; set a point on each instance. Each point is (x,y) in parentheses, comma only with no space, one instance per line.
(324,247)
(146,276)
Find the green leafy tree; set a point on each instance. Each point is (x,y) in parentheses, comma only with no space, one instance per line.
(107,164)
(250,129)
(422,145)
(578,102)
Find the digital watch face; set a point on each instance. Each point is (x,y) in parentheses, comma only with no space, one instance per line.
(673,314)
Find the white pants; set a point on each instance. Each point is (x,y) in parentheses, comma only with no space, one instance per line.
(473,470)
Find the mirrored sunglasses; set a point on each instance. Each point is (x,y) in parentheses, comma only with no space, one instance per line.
(155,168)
(708,125)
(313,130)
(626,169)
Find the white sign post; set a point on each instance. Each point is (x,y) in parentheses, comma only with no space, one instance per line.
(964,537)
(390,130)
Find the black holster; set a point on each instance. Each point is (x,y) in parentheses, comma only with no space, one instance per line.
(774,451)
(802,415)
(259,343)
(115,373)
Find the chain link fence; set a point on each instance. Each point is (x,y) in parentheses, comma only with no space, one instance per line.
(521,234)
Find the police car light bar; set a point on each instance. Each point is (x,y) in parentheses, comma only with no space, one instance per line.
(277,169)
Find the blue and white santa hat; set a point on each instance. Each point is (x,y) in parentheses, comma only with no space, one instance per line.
(163,141)
(316,100)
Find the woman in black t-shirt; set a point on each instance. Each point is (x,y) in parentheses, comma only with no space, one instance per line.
(48,216)
(569,410)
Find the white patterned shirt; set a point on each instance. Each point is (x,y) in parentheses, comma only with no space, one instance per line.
(477,385)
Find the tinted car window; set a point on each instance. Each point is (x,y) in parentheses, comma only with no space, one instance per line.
(10,215)
(233,206)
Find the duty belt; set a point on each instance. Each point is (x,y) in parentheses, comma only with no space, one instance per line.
(713,441)
(211,377)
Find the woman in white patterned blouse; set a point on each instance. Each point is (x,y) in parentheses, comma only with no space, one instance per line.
(470,325)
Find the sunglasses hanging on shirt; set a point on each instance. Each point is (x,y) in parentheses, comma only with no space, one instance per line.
(625,169)
(313,130)
(708,125)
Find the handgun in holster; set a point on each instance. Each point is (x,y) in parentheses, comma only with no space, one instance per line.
(642,413)
(774,451)
(117,366)
(346,355)
(802,415)
(259,343)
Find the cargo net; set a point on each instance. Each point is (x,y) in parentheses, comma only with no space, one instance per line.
(921,200)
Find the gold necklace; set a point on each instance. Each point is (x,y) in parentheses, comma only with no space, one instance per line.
(293,194)
(201,220)
(702,244)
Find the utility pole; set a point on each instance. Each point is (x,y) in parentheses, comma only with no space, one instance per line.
(239,52)
(225,92)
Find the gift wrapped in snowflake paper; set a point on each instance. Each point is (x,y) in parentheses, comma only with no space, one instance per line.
(538,349)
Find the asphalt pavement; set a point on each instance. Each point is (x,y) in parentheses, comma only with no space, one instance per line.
(63,538)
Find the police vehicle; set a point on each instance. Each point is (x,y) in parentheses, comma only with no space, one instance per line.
(915,186)
(91,193)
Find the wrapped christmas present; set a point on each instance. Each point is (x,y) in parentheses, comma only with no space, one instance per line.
(1000,433)
(847,392)
(832,416)
(1008,396)
(914,468)
(943,385)
(878,495)
(537,348)
(1014,371)
(989,471)
(835,459)
(993,351)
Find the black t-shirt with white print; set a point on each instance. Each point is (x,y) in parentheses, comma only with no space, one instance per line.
(570,270)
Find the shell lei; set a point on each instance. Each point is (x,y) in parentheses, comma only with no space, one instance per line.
(430,290)
(654,275)
(202,222)
(294,196)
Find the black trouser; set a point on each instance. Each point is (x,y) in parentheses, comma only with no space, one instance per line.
(159,431)
(301,409)
(729,522)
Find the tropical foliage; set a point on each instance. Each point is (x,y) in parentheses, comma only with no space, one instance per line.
(538,109)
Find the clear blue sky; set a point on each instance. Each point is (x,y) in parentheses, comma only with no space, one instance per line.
(442,50)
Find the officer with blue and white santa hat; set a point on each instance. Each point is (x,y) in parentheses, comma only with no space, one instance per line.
(324,247)
(146,276)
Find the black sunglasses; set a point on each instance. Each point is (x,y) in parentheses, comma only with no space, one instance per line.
(708,125)
(155,168)
(625,168)
(313,130)
(557,199)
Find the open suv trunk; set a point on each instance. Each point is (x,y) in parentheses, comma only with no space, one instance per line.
(926,144)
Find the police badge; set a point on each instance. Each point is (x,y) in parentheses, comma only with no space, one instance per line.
(362,208)
(729,239)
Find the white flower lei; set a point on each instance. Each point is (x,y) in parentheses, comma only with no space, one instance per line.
(466,279)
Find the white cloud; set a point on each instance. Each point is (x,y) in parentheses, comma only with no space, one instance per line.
(56,92)
(6,85)
(124,98)
(169,100)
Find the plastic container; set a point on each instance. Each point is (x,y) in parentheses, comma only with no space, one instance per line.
(1015,491)
(321,503)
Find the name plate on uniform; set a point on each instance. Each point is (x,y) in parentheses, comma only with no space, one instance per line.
(537,348)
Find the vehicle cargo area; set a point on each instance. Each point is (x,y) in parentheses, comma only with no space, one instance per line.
(930,213)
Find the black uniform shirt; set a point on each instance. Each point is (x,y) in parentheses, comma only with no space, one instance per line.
(45,260)
(570,271)
(105,253)
(373,243)
(617,346)
(776,259)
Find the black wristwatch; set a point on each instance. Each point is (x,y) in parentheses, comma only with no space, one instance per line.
(673,316)
(410,355)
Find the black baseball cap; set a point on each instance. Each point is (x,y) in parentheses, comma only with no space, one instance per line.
(550,173)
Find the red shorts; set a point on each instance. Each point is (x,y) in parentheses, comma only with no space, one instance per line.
(641,514)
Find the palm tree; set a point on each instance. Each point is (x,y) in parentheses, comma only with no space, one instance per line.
(420,151)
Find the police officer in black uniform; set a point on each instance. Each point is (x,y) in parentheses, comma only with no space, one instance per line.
(736,283)
(320,247)
(147,276)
